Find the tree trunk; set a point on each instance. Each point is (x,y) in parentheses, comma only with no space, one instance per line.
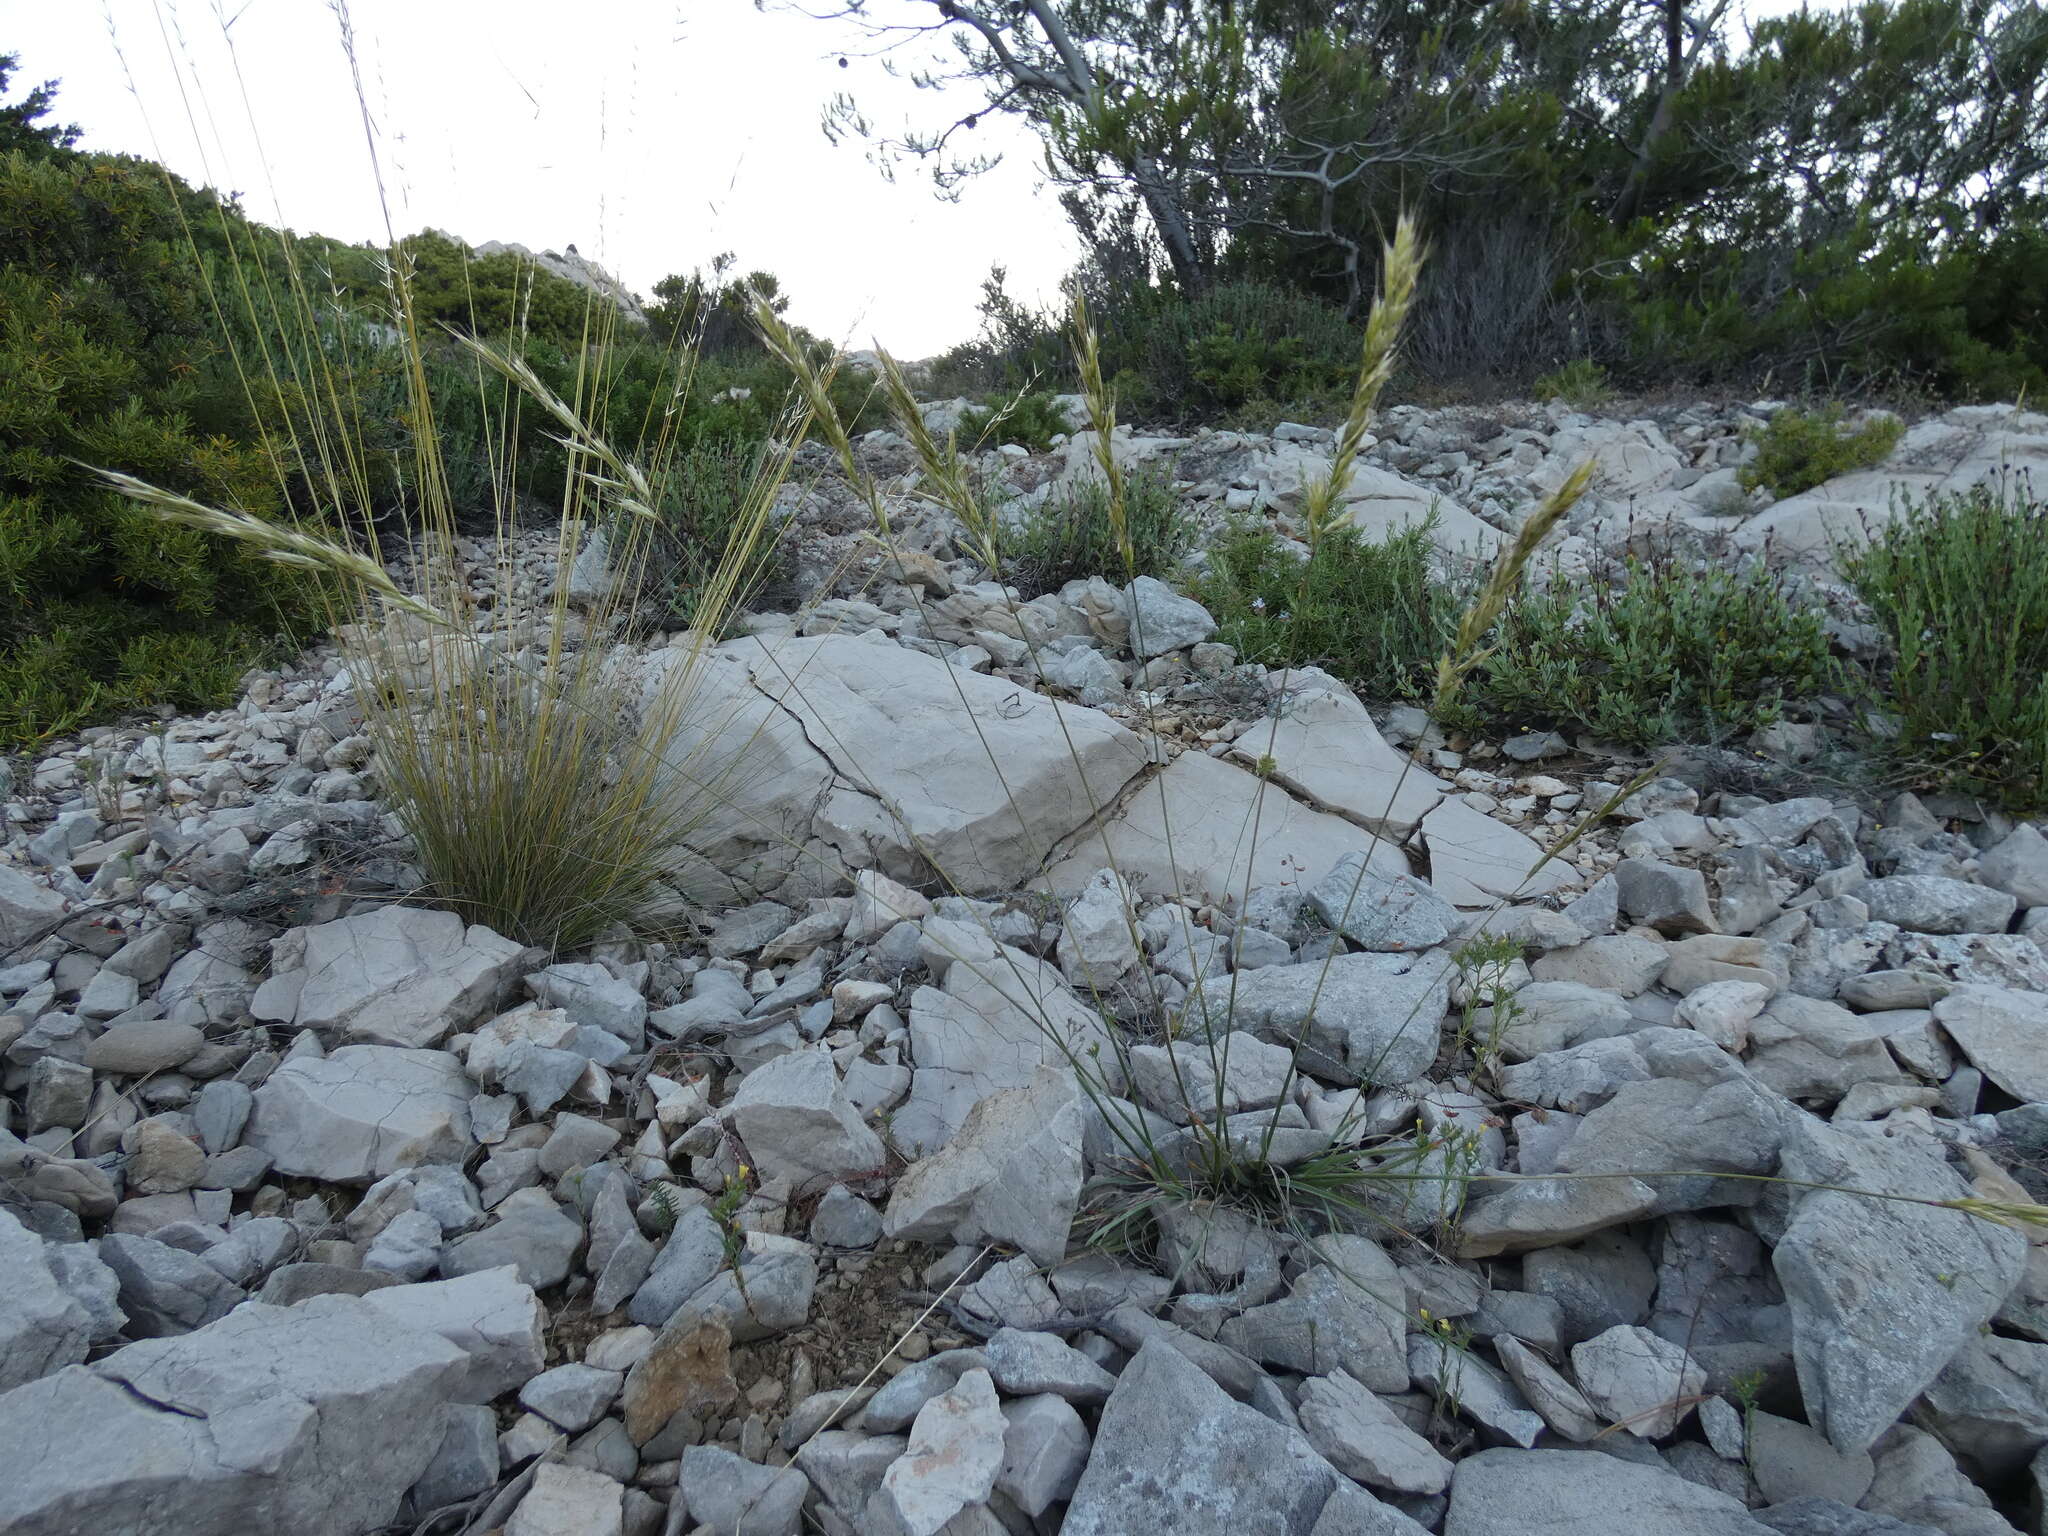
(1171,223)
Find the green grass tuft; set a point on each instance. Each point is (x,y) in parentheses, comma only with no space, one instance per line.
(1960,587)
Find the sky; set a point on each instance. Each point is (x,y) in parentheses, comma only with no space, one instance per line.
(651,134)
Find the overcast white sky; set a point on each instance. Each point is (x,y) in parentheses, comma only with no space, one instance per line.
(650,133)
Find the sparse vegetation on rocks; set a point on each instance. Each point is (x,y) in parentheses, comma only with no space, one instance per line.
(869,964)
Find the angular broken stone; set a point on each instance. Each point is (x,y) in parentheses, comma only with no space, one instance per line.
(314,1419)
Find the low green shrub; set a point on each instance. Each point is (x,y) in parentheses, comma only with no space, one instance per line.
(703,499)
(1375,614)
(113,358)
(1669,653)
(1030,420)
(1072,536)
(1798,450)
(1960,587)
(1581,384)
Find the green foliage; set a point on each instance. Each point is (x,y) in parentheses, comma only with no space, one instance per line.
(710,313)
(114,359)
(1072,536)
(703,501)
(1837,198)
(1032,420)
(1236,344)
(1960,587)
(1798,450)
(1580,383)
(499,296)
(20,122)
(1375,614)
(1670,653)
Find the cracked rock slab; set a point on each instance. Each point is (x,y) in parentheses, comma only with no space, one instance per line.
(1208,830)
(923,765)
(400,976)
(312,1419)
(361,1113)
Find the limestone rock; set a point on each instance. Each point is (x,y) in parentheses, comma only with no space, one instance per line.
(362,1112)
(1188,831)
(313,1419)
(796,1121)
(1883,1293)
(399,976)
(42,1327)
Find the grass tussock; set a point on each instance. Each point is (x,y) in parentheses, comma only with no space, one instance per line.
(1072,536)
(1959,585)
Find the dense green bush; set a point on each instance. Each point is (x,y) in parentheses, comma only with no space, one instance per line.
(113,358)
(1374,614)
(1960,587)
(703,498)
(1031,420)
(1581,383)
(1798,450)
(494,297)
(1072,536)
(1670,653)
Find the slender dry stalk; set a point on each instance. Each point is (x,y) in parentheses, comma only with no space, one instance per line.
(1468,650)
(1400,271)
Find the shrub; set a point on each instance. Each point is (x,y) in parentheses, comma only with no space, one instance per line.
(1668,653)
(1072,536)
(1798,450)
(1960,587)
(1032,420)
(112,358)
(1581,383)
(1376,615)
(703,499)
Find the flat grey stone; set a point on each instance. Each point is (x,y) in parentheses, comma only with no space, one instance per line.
(2018,866)
(1173,1453)
(1645,1384)
(532,1233)
(1791,1460)
(1045,1448)
(362,1112)
(798,1124)
(1023,1364)
(493,1317)
(313,1419)
(466,1462)
(1883,1293)
(1371,1018)
(567,1500)
(154,1045)
(1931,904)
(1365,1439)
(1670,898)
(42,1326)
(1382,912)
(955,1452)
(1585,1493)
(165,1290)
(572,1396)
(2004,1032)
(732,1496)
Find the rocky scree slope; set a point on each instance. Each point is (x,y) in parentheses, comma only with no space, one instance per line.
(325,1210)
